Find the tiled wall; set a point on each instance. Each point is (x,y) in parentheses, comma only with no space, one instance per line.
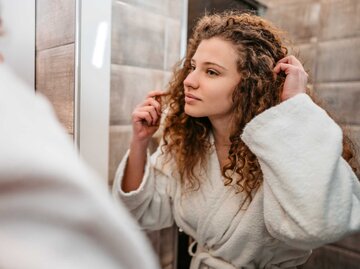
(327,34)
(55,52)
(145,45)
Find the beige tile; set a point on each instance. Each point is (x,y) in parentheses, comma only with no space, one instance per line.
(338,60)
(300,19)
(155,240)
(277,3)
(175,9)
(119,143)
(167,247)
(169,266)
(163,244)
(332,257)
(172,43)
(129,87)
(306,53)
(55,23)
(342,100)
(169,8)
(138,37)
(339,18)
(154,6)
(351,242)
(55,79)
(167,78)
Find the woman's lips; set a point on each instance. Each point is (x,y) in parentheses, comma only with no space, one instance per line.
(189,98)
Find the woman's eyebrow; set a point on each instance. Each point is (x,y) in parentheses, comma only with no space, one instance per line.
(210,63)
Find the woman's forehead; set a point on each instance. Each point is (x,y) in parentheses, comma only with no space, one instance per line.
(216,50)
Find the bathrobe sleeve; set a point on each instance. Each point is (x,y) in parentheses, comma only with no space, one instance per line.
(311,195)
(151,203)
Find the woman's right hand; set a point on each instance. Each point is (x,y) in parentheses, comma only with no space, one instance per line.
(146,117)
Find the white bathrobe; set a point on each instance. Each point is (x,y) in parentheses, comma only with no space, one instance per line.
(54,211)
(309,196)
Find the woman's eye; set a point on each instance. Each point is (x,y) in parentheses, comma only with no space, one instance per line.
(192,68)
(211,72)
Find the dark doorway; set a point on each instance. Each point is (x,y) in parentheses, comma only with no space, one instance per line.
(197,8)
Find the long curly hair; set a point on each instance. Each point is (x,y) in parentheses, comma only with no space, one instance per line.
(260,46)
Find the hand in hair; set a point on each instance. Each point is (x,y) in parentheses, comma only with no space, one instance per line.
(145,121)
(296,77)
(146,117)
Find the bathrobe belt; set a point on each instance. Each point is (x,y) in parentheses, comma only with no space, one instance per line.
(202,257)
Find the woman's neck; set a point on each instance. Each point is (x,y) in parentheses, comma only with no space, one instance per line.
(221,131)
(222,142)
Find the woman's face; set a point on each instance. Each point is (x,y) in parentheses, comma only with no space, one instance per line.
(212,80)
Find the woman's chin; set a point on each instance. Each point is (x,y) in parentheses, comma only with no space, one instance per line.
(192,113)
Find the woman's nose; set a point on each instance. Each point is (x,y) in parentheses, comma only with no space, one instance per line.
(192,81)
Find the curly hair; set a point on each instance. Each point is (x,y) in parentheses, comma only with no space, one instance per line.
(260,46)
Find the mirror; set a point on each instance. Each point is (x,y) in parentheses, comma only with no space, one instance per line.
(95,60)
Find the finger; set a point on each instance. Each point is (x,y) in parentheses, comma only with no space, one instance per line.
(158,95)
(153,113)
(283,67)
(294,70)
(155,93)
(291,59)
(140,116)
(152,129)
(153,102)
(150,102)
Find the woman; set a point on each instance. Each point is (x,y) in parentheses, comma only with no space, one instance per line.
(249,166)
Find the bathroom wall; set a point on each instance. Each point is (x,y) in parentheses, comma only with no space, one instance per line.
(327,35)
(146,43)
(55,56)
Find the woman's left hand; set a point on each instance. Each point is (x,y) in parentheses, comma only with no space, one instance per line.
(296,77)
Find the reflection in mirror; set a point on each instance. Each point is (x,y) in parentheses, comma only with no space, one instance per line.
(204,254)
